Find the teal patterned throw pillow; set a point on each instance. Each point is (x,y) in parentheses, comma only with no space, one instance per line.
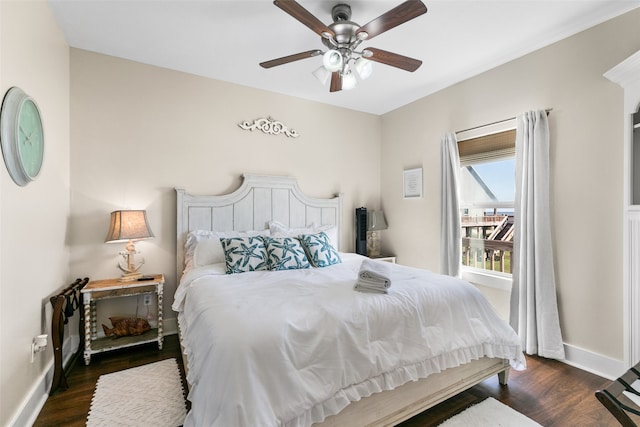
(244,254)
(320,251)
(285,253)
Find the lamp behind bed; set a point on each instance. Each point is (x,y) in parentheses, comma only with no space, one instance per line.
(375,223)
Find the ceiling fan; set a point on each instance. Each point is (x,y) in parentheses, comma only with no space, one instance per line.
(343,37)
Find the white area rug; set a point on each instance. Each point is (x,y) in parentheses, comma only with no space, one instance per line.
(490,413)
(149,395)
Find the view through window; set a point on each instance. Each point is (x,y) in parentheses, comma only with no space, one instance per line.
(487,192)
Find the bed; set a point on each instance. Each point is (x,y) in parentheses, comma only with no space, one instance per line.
(300,346)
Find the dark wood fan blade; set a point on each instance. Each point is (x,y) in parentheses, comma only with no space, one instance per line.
(303,15)
(336,82)
(290,58)
(398,15)
(393,59)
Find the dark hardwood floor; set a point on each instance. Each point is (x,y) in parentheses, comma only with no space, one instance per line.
(71,407)
(549,392)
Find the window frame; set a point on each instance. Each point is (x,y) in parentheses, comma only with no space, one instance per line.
(480,276)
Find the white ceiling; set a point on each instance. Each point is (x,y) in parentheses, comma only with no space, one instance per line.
(226,40)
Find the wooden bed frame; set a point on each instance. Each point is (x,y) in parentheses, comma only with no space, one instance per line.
(261,199)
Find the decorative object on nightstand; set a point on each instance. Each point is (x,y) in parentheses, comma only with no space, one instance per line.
(129,225)
(97,290)
(375,223)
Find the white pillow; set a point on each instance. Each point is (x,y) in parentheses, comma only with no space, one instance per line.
(208,251)
(280,230)
(203,247)
(190,246)
(332,233)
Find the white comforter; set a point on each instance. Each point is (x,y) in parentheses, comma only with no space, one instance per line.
(289,348)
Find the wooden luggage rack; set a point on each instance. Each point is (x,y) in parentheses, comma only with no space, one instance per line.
(64,305)
(620,406)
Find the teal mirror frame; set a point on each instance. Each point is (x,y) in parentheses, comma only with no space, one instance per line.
(21,136)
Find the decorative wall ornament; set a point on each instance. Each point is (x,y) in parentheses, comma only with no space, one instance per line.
(270,126)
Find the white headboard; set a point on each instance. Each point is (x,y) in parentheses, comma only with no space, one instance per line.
(260,199)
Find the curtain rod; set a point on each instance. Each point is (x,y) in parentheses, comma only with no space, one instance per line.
(547,110)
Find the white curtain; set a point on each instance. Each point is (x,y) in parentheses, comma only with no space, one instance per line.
(534,308)
(450,242)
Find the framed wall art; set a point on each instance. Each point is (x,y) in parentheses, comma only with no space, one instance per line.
(412,183)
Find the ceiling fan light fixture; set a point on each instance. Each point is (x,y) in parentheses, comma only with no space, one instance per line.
(322,74)
(364,67)
(332,60)
(349,81)
(343,37)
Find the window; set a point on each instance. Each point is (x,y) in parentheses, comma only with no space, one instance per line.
(487,192)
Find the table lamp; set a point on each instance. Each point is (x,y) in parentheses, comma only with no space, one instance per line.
(375,223)
(129,226)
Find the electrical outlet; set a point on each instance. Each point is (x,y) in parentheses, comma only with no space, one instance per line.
(39,344)
(147,299)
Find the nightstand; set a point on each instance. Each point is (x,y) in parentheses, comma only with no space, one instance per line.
(98,290)
(387,258)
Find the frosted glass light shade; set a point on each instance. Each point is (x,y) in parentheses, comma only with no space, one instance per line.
(364,67)
(332,60)
(349,81)
(322,74)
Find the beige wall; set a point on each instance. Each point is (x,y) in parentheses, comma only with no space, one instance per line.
(34,254)
(138,131)
(586,168)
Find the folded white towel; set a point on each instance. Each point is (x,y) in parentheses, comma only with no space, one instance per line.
(377,272)
(369,289)
(374,276)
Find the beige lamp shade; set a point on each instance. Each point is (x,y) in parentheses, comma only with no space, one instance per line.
(128,225)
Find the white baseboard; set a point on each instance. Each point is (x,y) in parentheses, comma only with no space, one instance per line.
(34,401)
(595,363)
(580,358)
